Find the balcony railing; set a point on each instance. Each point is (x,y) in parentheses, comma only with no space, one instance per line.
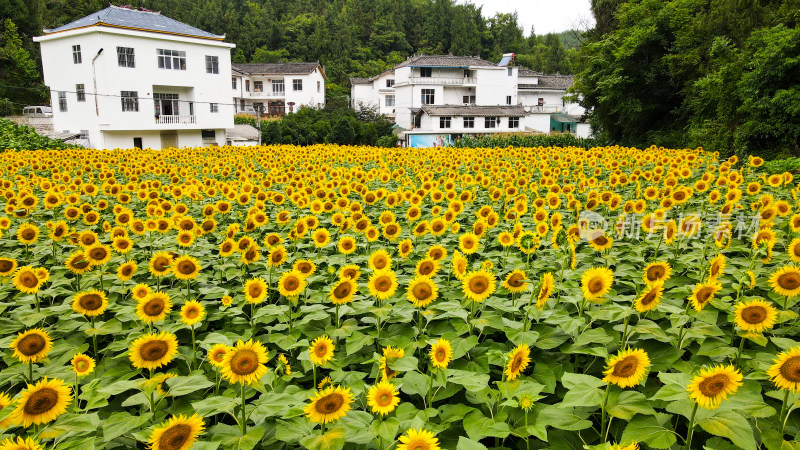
(543,109)
(268,94)
(444,81)
(176,120)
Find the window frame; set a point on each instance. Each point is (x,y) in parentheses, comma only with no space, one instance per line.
(513,122)
(508,99)
(445,122)
(425,93)
(258,86)
(386,100)
(213,68)
(469,122)
(77,57)
(213,107)
(171,59)
(129,100)
(62,101)
(490,122)
(275,84)
(297,82)
(80,92)
(389,83)
(426,72)
(470,99)
(233,83)
(125,58)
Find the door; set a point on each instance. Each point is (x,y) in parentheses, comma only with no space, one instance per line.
(137,142)
(169,139)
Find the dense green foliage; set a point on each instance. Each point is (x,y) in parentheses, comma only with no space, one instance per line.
(330,125)
(351,38)
(20,81)
(528,140)
(13,136)
(724,75)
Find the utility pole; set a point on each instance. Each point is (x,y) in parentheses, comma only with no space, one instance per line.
(94,81)
(258,122)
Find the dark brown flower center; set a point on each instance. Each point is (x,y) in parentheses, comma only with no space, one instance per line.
(422,291)
(626,367)
(380,262)
(790,369)
(704,294)
(154,307)
(595,285)
(479,284)
(714,385)
(153,350)
(516,363)
(384,399)
(291,283)
(90,302)
(649,297)
(28,279)
(321,350)
(41,401)
(6,265)
(80,263)
(789,281)
(655,273)
(426,268)
(126,270)
(255,290)
(342,290)
(175,437)
(244,362)
(28,234)
(754,314)
(383,283)
(186,267)
(31,344)
(330,403)
(515,280)
(98,254)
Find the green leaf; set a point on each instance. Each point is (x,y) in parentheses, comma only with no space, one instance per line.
(230,436)
(561,418)
(731,425)
(470,380)
(626,404)
(479,426)
(333,439)
(655,431)
(120,423)
(415,383)
(214,405)
(386,428)
(179,386)
(583,390)
(468,444)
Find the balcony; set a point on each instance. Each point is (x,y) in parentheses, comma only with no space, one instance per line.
(176,120)
(542,109)
(443,81)
(268,94)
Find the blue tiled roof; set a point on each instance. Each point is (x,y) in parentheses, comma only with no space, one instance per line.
(116,16)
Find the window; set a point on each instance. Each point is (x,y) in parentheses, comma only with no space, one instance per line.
(166,104)
(258,106)
(390,100)
(130,101)
(137,142)
(247,85)
(76,54)
(469,122)
(469,99)
(233,83)
(467,73)
(80,92)
(62,101)
(508,99)
(297,85)
(426,72)
(513,122)
(125,57)
(212,64)
(428,96)
(417,121)
(171,59)
(540,101)
(278,87)
(490,122)
(444,122)
(84,134)
(214,107)
(258,86)
(241,105)
(389,83)
(510,71)
(319,86)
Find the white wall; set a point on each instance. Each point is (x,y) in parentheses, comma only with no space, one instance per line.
(494,85)
(309,96)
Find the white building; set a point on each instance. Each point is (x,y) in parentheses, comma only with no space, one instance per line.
(127,78)
(278,88)
(435,99)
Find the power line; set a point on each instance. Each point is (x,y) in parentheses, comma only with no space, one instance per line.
(107,95)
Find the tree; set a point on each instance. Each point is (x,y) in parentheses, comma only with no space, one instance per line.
(18,71)
(342,132)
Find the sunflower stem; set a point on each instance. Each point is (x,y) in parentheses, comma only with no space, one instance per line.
(624,332)
(76,406)
(739,353)
(603,414)
(194,350)
(784,414)
(94,340)
(244,417)
(690,432)
(314,369)
(36,295)
(30,371)
(527,442)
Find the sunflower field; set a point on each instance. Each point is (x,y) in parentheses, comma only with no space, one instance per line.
(331,297)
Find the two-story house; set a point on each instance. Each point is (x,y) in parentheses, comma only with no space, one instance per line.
(277,88)
(436,98)
(134,78)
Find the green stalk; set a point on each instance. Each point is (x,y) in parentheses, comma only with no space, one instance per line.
(739,354)
(194,350)
(784,411)
(603,414)
(690,432)
(244,417)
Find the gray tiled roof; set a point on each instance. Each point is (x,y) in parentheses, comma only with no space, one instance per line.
(550,82)
(444,61)
(116,16)
(293,68)
(473,110)
(360,81)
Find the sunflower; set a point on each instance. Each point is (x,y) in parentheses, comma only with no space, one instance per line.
(7,266)
(347,245)
(5,401)
(755,316)
(160,264)
(98,254)
(305,266)
(515,281)
(126,270)
(785,372)
(321,237)
(713,385)
(418,440)
(650,298)
(26,281)
(717,267)
(90,303)
(657,271)
(245,362)
(390,353)
(599,241)
(383,398)
(379,260)
(785,281)
(596,283)
(329,405)
(20,444)
(226,248)
(77,263)
(140,291)
(192,312)
(545,290)
(42,402)
(321,350)
(28,234)
(82,364)
(292,283)
(343,291)
(32,345)
(427,267)
(255,290)
(152,350)
(478,285)
(627,368)
(704,293)
(528,242)
(277,256)
(505,239)
(468,243)
(217,354)
(122,244)
(186,267)
(441,353)
(382,284)
(518,360)
(154,307)
(422,291)
(631,446)
(178,433)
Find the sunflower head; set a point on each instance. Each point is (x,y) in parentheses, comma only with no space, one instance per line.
(755,316)
(154,307)
(217,354)
(786,281)
(32,345)
(42,402)
(785,370)
(627,368)
(82,364)
(422,291)
(418,440)
(518,360)
(292,283)
(192,312)
(713,385)
(515,281)
(596,283)
(255,290)
(704,293)
(152,351)
(329,404)
(186,268)
(321,350)
(90,303)
(441,353)
(650,297)
(178,433)
(245,362)
(657,271)
(383,398)
(382,284)
(478,285)
(343,291)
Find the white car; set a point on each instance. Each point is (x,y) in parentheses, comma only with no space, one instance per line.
(37,111)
